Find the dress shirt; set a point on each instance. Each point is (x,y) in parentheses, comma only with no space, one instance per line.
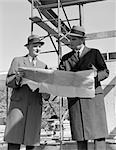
(81,50)
(32,60)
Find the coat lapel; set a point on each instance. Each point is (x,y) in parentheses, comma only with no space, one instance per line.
(74,58)
(26,61)
(72,61)
(85,51)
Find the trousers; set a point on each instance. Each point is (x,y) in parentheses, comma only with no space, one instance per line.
(99,144)
(12,146)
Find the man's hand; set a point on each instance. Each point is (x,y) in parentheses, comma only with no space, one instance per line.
(19,76)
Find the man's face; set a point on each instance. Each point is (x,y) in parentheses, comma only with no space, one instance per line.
(34,49)
(76,42)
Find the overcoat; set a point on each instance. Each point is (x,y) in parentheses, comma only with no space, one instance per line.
(87,115)
(23,124)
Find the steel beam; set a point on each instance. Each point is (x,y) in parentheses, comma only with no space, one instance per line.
(51,16)
(53,4)
(101,35)
(91,36)
(50,31)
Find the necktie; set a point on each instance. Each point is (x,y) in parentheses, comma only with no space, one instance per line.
(34,61)
(78,54)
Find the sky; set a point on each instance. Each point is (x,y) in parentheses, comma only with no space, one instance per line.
(15,27)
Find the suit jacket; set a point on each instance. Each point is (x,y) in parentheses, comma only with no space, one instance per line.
(87,116)
(24,117)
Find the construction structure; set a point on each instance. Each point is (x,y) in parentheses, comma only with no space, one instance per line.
(49,17)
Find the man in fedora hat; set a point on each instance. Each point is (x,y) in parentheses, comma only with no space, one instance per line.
(24,116)
(87,115)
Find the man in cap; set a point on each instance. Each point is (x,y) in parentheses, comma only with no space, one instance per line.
(87,115)
(24,116)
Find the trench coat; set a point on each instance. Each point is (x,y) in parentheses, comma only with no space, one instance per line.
(87,115)
(23,124)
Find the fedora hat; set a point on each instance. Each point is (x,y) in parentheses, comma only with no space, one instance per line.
(78,31)
(34,39)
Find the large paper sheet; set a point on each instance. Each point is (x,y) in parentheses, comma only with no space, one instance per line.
(60,83)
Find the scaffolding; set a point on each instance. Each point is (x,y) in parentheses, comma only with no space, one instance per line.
(45,9)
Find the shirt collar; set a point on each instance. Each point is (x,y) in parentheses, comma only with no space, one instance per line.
(31,58)
(80,51)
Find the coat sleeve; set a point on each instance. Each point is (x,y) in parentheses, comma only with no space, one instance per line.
(102,70)
(11,76)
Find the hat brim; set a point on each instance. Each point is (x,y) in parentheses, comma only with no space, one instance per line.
(42,43)
(77,35)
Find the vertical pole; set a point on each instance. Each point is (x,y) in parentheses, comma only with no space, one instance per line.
(59,33)
(59,58)
(81,15)
(32,6)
